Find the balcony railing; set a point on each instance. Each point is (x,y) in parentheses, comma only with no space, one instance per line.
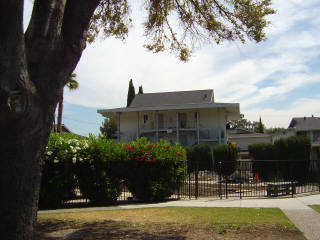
(210,134)
(151,125)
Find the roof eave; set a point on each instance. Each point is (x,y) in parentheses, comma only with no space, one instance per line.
(171,107)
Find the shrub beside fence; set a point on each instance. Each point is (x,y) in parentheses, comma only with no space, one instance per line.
(97,171)
(98,167)
(58,181)
(154,170)
(105,172)
(294,148)
(225,156)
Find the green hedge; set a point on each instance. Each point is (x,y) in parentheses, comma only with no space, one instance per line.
(261,151)
(225,156)
(98,171)
(291,155)
(267,170)
(298,149)
(152,171)
(199,157)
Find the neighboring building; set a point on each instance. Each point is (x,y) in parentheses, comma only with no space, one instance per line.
(243,138)
(308,126)
(187,117)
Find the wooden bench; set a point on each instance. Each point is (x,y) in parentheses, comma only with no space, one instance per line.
(283,188)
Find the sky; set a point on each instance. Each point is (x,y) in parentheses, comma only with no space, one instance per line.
(277,79)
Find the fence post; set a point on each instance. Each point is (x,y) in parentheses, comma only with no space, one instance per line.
(189,184)
(292,187)
(196,180)
(240,170)
(220,187)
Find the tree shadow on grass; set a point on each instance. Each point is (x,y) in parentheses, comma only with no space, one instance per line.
(66,230)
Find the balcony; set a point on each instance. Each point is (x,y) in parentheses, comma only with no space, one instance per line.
(164,126)
(208,134)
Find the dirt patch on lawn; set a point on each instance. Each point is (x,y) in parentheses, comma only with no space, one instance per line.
(114,230)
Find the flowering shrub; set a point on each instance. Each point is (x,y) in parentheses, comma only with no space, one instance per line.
(154,171)
(58,180)
(98,170)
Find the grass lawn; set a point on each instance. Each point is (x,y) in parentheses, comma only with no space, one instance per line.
(315,207)
(169,223)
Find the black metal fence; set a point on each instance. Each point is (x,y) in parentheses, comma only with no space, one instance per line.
(268,178)
(250,178)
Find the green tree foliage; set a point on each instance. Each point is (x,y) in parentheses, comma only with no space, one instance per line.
(108,128)
(131,93)
(259,127)
(275,130)
(200,22)
(241,123)
(140,90)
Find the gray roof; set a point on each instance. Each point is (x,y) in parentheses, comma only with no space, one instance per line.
(173,98)
(305,123)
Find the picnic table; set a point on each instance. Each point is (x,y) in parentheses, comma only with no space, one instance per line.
(281,188)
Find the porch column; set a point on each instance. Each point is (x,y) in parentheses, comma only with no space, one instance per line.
(157,126)
(177,126)
(219,126)
(198,128)
(138,125)
(118,118)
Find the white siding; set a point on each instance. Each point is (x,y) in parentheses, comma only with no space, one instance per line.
(244,142)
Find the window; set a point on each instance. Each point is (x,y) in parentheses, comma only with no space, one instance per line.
(182,120)
(145,118)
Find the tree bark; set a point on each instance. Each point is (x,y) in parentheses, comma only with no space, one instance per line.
(33,69)
(60,110)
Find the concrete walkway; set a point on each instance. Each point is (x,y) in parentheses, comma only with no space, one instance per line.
(305,219)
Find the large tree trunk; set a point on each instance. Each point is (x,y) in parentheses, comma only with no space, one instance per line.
(33,67)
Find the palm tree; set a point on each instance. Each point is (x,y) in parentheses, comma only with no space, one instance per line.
(72,84)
